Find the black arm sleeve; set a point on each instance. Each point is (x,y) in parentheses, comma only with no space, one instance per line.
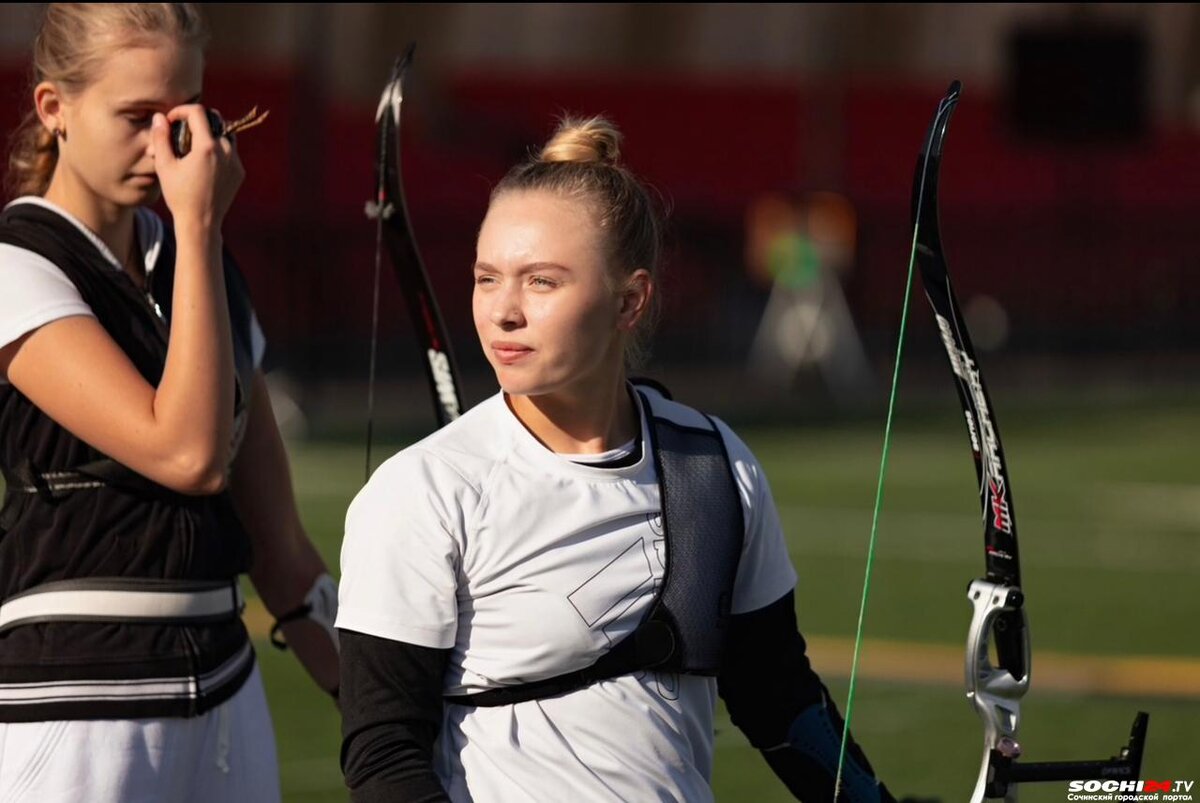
(767,683)
(391,702)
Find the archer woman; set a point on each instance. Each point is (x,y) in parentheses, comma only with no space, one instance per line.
(144,470)
(542,600)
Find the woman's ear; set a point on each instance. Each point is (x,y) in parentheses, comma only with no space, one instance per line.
(636,292)
(48,101)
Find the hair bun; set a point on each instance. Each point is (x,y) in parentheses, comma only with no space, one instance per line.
(594,140)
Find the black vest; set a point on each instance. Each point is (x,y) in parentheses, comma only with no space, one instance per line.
(703,529)
(128,527)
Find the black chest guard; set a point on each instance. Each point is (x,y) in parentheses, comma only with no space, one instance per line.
(704,529)
(76,522)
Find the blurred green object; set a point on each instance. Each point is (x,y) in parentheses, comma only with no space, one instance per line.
(1109,499)
(793,261)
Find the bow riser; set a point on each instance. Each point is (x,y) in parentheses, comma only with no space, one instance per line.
(994,692)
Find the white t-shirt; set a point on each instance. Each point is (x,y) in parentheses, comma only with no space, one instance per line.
(529,565)
(37,292)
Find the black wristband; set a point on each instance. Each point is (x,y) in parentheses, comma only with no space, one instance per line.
(291,616)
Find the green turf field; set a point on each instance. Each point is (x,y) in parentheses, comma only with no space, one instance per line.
(1108,507)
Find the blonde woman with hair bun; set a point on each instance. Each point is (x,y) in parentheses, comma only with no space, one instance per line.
(143,468)
(543,600)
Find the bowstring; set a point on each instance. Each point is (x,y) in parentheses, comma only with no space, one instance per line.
(887,443)
(374,333)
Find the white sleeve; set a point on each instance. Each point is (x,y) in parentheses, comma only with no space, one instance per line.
(36,292)
(401,553)
(765,572)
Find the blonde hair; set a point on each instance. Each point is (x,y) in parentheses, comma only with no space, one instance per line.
(582,161)
(73,42)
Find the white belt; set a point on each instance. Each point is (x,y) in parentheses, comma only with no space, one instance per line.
(123,600)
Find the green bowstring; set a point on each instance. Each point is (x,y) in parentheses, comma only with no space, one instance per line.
(887,444)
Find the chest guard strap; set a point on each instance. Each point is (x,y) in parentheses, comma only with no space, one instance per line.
(703,530)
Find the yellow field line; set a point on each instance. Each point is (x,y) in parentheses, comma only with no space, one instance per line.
(912,662)
(941,664)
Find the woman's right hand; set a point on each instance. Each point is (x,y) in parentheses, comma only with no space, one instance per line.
(200,187)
